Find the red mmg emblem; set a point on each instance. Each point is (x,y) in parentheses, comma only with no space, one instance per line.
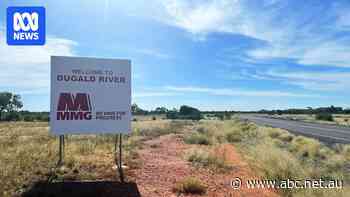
(74,107)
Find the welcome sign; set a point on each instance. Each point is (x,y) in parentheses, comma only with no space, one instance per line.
(90,95)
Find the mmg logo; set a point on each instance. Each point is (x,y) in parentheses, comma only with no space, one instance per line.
(26,26)
(74,107)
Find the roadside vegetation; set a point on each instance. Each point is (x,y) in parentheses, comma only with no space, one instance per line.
(28,153)
(324,117)
(189,185)
(274,154)
(208,158)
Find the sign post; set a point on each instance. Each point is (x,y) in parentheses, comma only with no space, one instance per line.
(119,163)
(61,151)
(90,96)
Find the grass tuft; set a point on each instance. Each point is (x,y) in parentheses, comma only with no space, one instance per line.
(197,138)
(190,185)
(203,158)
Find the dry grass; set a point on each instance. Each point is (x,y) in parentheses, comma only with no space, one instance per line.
(207,158)
(190,185)
(157,128)
(28,153)
(279,155)
(197,138)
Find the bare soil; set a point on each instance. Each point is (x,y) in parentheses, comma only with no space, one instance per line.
(163,166)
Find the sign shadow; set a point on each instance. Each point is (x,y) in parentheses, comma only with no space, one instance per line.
(83,188)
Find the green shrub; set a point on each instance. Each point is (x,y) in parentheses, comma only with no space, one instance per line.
(42,117)
(197,138)
(190,185)
(172,115)
(185,112)
(325,117)
(220,116)
(28,118)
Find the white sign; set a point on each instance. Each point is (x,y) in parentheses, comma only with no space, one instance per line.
(90,95)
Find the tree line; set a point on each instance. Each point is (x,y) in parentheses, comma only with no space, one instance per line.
(185,112)
(309,110)
(11,105)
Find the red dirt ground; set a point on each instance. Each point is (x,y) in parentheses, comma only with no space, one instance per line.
(163,166)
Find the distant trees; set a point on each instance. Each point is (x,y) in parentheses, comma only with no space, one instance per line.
(347,111)
(34,116)
(161,110)
(188,112)
(185,112)
(172,114)
(226,115)
(10,103)
(309,110)
(136,110)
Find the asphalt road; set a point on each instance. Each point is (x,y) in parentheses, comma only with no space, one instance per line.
(323,132)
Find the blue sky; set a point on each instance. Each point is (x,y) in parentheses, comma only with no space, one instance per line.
(214,55)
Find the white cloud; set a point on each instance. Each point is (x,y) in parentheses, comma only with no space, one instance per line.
(288,34)
(313,51)
(229,16)
(334,53)
(324,81)
(25,69)
(236,92)
(201,17)
(321,81)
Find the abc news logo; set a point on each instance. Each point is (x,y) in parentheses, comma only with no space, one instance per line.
(25,25)
(33,21)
